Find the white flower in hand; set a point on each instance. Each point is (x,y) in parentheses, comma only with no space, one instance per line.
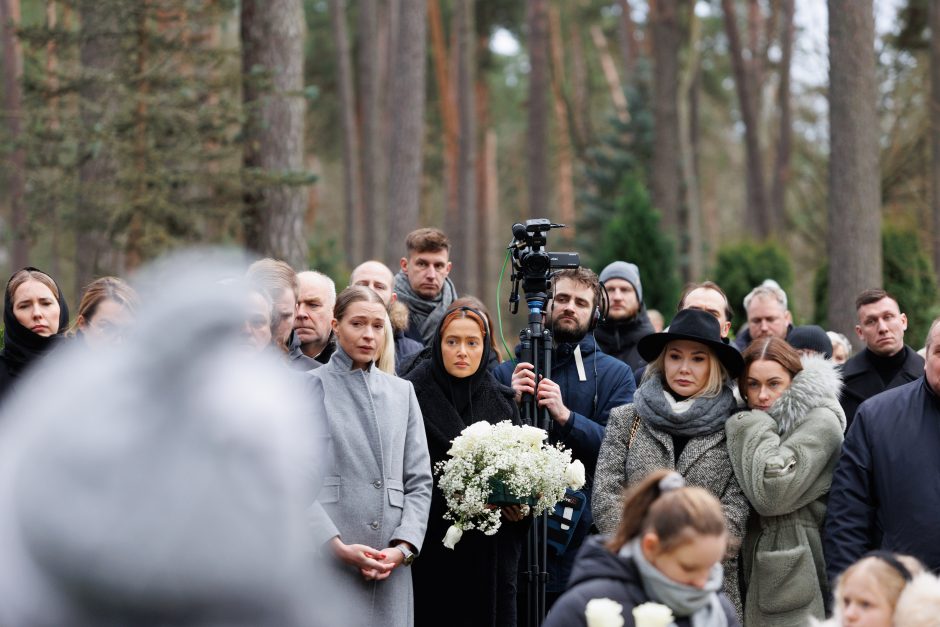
(652,615)
(533,436)
(574,474)
(452,537)
(603,613)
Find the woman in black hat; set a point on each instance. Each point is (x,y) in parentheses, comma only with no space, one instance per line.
(677,421)
(34,316)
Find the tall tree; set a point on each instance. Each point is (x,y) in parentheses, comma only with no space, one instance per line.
(352,179)
(468,225)
(664,22)
(13,111)
(854,239)
(934,117)
(746,78)
(407,111)
(537,131)
(784,141)
(692,222)
(272,35)
(369,132)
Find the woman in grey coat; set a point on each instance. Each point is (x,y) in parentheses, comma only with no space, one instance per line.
(372,511)
(677,421)
(784,451)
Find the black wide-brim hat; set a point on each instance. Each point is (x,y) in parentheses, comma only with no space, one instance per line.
(697,326)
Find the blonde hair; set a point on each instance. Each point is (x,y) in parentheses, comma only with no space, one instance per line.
(101,290)
(889,580)
(717,375)
(31,274)
(385,356)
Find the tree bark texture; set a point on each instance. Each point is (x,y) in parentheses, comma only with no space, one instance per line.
(352,179)
(538,129)
(784,141)
(369,131)
(626,35)
(449,115)
(467,276)
(407,147)
(854,239)
(564,153)
(99,56)
(13,112)
(757,209)
(664,23)
(692,224)
(934,119)
(272,34)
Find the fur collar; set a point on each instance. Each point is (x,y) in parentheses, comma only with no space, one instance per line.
(818,384)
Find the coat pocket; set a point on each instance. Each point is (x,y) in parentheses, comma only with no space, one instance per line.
(786,580)
(329,493)
(396,493)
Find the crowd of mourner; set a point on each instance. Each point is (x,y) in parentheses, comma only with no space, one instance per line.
(772,479)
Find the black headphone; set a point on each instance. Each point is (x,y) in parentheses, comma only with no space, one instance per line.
(601,305)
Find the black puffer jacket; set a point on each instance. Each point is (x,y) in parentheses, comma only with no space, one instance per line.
(618,338)
(598,574)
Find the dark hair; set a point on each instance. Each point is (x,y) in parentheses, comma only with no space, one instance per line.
(582,276)
(427,240)
(769,349)
(669,514)
(707,285)
(354,294)
(475,303)
(873,295)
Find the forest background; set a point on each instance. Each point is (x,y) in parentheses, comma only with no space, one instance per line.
(734,140)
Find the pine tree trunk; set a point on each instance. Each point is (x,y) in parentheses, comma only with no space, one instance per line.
(13,112)
(782,167)
(538,129)
(133,253)
(449,116)
(580,110)
(934,117)
(695,268)
(465,237)
(854,240)
(407,112)
(99,57)
(626,35)
(758,208)
(272,34)
(565,154)
(368,121)
(352,179)
(664,24)
(609,70)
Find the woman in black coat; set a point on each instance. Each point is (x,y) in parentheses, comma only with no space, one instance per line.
(34,316)
(473,584)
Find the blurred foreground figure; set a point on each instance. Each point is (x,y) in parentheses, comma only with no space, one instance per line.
(165,481)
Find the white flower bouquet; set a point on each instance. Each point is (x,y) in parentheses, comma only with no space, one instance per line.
(502,464)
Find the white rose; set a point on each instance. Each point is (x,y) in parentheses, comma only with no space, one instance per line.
(574,474)
(603,613)
(533,436)
(652,615)
(476,431)
(452,537)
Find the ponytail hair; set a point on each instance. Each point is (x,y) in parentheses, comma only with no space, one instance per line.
(662,504)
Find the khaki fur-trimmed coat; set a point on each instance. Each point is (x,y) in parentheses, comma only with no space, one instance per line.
(784,461)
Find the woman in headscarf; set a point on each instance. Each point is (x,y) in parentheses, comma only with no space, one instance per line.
(34,315)
(475,582)
(372,511)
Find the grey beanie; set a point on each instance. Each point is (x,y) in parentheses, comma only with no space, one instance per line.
(628,272)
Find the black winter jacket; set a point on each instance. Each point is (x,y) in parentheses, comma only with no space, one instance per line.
(885,492)
(618,338)
(598,573)
(860,380)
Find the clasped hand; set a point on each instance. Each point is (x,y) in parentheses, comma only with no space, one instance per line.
(548,393)
(373,564)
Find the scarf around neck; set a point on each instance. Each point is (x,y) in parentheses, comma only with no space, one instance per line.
(460,391)
(424,315)
(702,605)
(705,416)
(21,347)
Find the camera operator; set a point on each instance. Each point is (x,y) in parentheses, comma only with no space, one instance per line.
(585,384)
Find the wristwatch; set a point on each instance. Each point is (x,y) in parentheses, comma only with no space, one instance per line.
(407,552)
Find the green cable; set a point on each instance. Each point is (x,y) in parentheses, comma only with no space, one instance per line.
(499,313)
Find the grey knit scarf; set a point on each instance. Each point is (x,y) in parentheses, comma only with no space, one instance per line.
(424,315)
(706,415)
(701,604)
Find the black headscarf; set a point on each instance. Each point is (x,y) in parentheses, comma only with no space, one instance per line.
(459,391)
(21,347)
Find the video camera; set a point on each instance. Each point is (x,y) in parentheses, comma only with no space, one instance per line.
(534,266)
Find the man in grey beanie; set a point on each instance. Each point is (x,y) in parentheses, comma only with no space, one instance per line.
(626,321)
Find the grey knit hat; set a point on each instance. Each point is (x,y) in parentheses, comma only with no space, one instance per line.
(628,272)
